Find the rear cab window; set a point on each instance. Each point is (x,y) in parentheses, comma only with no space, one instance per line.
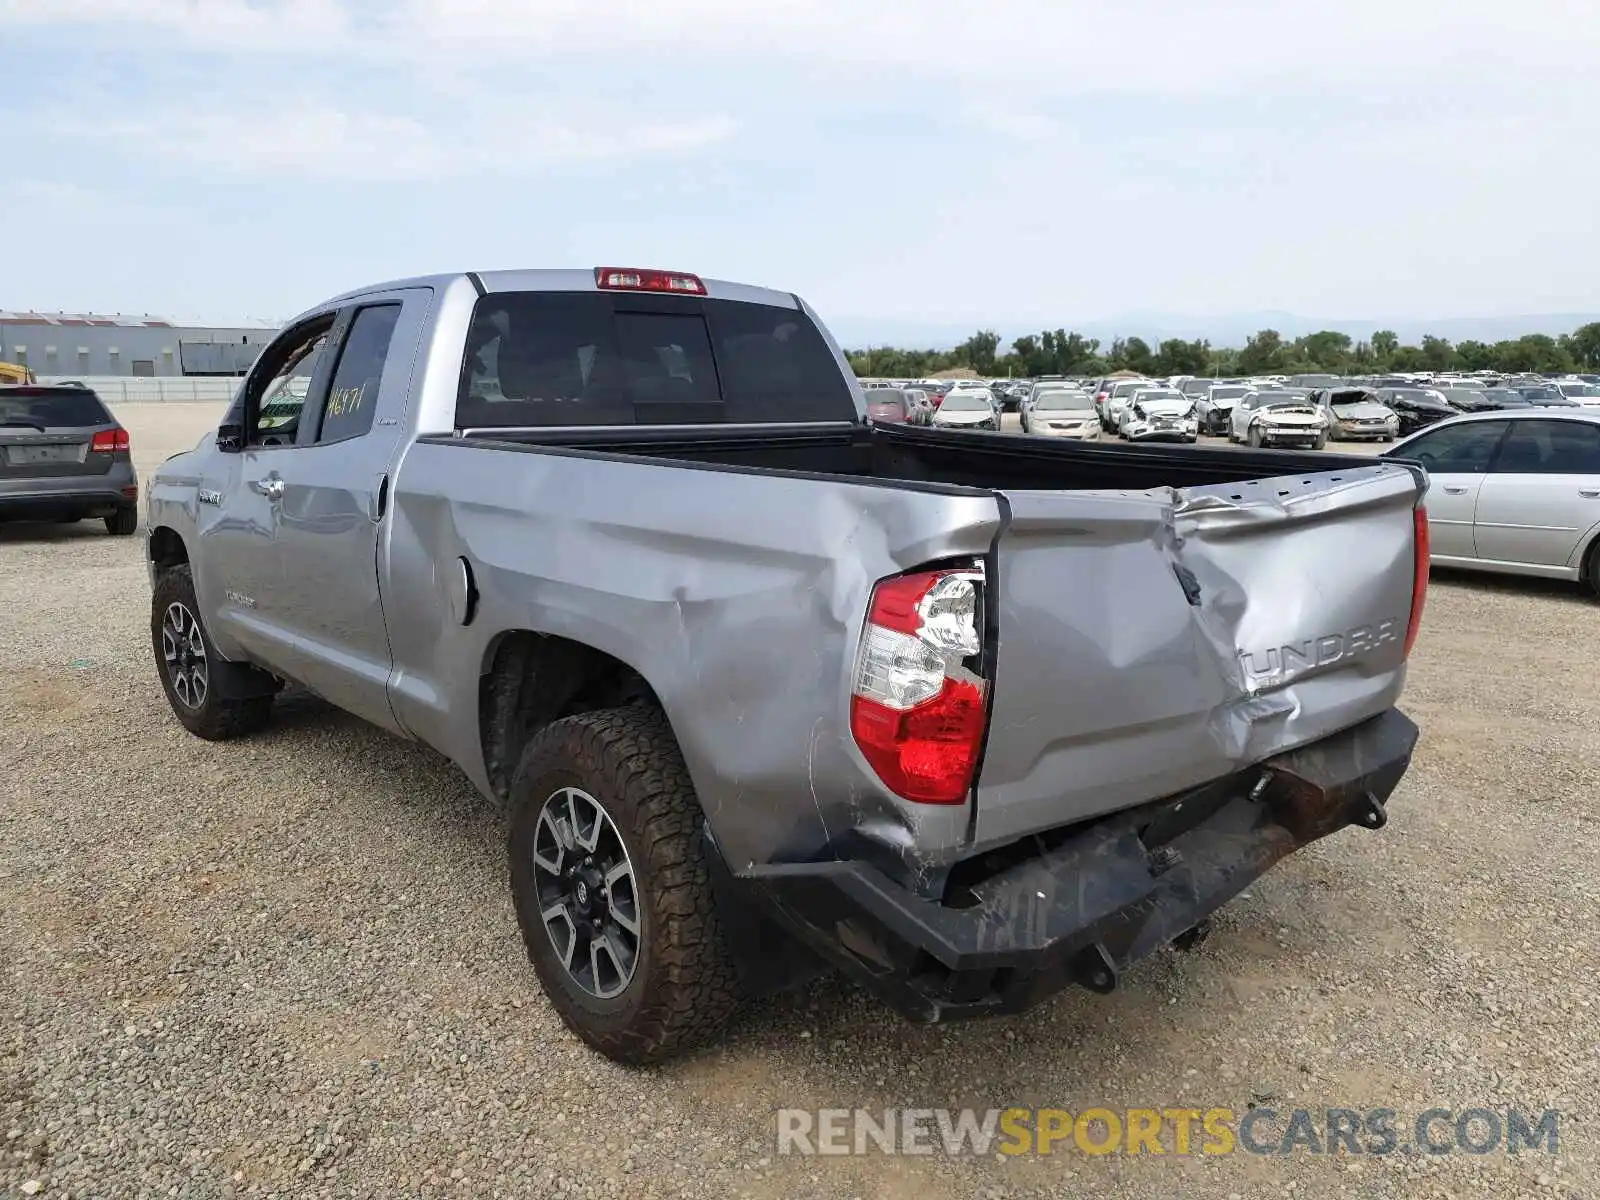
(540,359)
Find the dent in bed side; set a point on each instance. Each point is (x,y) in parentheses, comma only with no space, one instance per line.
(743,620)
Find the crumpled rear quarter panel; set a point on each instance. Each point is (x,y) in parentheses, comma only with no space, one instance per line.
(738,596)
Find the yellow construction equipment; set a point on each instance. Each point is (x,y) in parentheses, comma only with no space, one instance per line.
(15,373)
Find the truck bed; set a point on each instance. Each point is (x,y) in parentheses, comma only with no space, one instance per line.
(905,454)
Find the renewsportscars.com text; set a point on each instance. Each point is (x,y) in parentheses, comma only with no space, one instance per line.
(1178,1131)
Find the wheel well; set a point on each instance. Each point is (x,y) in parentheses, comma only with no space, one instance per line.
(1586,561)
(167,548)
(531,679)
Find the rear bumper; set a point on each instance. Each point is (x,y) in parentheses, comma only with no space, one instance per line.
(47,506)
(1081,906)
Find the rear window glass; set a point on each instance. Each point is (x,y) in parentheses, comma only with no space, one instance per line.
(575,358)
(72,408)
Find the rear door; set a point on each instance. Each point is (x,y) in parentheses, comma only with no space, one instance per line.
(1541,497)
(330,627)
(1154,641)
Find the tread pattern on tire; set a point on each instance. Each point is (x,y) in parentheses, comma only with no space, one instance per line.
(218,719)
(638,772)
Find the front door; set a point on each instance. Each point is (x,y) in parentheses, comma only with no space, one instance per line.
(238,581)
(1457,458)
(334,638)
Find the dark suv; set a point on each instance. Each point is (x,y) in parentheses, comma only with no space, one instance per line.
(64,457)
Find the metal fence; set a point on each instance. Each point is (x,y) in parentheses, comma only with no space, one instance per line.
(131,389)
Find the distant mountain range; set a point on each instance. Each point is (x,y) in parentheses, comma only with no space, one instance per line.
(1231,330)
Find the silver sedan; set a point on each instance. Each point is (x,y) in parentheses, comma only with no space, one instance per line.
(1514,491)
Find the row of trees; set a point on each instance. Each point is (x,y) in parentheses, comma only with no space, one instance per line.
(1061,352)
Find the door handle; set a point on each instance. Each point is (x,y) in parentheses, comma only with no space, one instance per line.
(271,487)
(1455,491)
(1589,493)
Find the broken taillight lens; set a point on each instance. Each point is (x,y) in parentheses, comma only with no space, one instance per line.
(1419,574)
(918,705)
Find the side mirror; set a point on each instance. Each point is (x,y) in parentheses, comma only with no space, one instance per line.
(230,438)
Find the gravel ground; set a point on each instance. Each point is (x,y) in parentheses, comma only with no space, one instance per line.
(288,966)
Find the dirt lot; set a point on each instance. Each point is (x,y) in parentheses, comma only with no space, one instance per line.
(289,966)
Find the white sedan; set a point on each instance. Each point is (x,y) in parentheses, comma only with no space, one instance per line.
(1515,491)
(1273,418)
(1161,416)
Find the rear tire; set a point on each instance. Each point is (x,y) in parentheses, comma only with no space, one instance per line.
(193,675)
(123,522)
(1591,569)
(680,983)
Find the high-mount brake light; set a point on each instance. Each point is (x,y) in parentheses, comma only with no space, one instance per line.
(631,279)
(1419,575)
(918,706)
(108,440)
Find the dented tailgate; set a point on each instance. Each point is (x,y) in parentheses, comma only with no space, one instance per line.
(1152,641)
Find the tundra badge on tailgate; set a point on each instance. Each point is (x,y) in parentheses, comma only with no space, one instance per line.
(1275,666)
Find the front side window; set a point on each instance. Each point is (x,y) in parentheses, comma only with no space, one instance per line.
(1551,448)
(353,394)
(279,403)
(1466,448)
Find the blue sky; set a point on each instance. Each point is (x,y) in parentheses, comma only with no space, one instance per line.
(905,166)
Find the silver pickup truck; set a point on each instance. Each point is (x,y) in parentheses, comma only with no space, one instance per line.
(769,689)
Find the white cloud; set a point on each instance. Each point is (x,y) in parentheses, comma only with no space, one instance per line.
(305,139)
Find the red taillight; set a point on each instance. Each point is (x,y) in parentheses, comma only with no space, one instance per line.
(108,440)
(918,711)
(1419,575)
(627,279)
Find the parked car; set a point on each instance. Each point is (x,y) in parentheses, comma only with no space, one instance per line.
(887,406)
(64,457)
(1119,396)
(1586,394)
(1470,399)
(761,685)
(1278,418)
(967,408)
(1214,407)
(1356,414)
(1061,413)
(1161,415)
(1516,492)
(919,405)
(1416,407)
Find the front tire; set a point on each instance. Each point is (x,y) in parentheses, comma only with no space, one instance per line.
(123,522)
(1321,443)
(196,679)
(611,880)
(1254,437)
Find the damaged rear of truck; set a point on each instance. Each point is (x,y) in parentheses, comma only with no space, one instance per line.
(969,716)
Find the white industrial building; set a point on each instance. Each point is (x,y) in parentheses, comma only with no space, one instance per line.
(74,345)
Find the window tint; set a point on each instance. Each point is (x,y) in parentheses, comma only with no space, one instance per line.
(574,358)
(666,364)
(77,408)
(1465,448)
(1551,448)
(280,402)
(353,395)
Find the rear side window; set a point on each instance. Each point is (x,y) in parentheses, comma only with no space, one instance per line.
(551,358)
(1551,448)
(53,410)
(353,395)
